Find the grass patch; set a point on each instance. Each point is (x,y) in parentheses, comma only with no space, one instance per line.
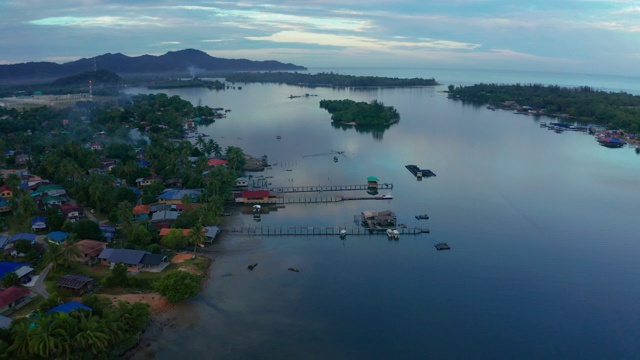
(25,310)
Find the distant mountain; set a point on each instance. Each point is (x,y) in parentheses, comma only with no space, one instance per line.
(185,62)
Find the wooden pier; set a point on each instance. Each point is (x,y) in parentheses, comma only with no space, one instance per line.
(317,230)
(297,189)
(315,199)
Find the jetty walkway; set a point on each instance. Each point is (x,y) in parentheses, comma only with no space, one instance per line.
(316,230)
(297,189)
(314,199)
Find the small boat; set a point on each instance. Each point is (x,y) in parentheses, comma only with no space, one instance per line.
(293,269)
(387,197)
(393,233)
(442,246)
(250,267)
(278,137)
(422,217)
(335,159)
(343,234)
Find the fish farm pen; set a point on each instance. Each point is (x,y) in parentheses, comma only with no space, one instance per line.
(317,230)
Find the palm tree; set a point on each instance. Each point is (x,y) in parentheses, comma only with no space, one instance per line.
(196,236)
(92,335)
(46,337)
(20,338)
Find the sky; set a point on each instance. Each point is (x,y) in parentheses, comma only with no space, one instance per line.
(579,36)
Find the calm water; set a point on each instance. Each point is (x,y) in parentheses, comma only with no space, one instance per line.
(543,229)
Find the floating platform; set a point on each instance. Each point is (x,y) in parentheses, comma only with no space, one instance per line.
(419,173)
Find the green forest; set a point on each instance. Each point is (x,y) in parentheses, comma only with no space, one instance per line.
(582,104)
(326,79)
(360,113)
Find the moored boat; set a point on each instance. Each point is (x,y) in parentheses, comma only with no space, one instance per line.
(610,142)
(393,233)
(442,246)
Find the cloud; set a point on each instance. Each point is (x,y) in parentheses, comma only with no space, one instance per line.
(98,21)
(352,41)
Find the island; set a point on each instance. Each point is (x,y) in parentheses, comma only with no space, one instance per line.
(329,79)
(584,104)
(349,112)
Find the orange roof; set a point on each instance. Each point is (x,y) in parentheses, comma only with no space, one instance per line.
(164,232)
(216,162)
(141,209)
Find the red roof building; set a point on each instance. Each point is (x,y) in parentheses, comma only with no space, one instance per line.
(13,296)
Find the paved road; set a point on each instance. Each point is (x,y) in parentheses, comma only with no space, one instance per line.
(39,284)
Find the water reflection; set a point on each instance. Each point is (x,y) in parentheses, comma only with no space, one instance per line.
(376,132)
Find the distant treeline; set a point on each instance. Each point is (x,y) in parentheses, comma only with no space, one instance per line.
(360,113)
(326,79)
(585,104)
(177,84)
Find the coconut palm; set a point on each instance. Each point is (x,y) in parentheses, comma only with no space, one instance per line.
(20,338)
(196,236)
(93,334)
(46,337)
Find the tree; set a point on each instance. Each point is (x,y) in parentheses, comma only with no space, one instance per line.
(45,338)
(174,239)
(93,334)
(119,275)
(88,229)
(235,158)
(178,286)
(23,246)
(10,279)
(196,236)
(124,213)
(55,220)
(26,206)
(140,236)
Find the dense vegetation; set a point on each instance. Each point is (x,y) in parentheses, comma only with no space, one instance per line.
(360,113)
(99,77)
(585,104)
(103,333)
(326,79)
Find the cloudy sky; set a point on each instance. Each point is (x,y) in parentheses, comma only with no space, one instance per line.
(584,36)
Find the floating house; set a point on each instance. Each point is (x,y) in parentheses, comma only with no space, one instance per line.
(381,219)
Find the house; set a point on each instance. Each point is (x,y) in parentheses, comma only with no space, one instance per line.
(72,212)
(77,284)
(23,236)
(39,223)
(142,182)
(51,201)
(378,219)
(135,260)
(164,219)
(5,192)
(175,196)
(213,162)
(211,232)
(5,322)
(162,207)
(23,159)
(173,183)
(242,182)
(252,196)
(51,190)
(107,164)
(88,250)
(13,298)
(69,307)
(141,212)
(4,205)
(96,146)
(108,231)
(57,237)
(4,240)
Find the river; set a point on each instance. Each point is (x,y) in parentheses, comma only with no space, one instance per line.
(542,227)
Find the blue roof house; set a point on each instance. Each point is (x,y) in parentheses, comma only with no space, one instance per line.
(57,237)
(39,223)
(69,307)
(23,236)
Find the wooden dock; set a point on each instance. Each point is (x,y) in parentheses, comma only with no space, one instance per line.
(298,189)
(317,230)
(314,199)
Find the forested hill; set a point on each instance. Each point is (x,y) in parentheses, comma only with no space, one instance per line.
(184,62)
(586,104)
(327,79)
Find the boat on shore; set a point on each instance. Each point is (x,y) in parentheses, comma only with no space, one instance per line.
(610,142)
